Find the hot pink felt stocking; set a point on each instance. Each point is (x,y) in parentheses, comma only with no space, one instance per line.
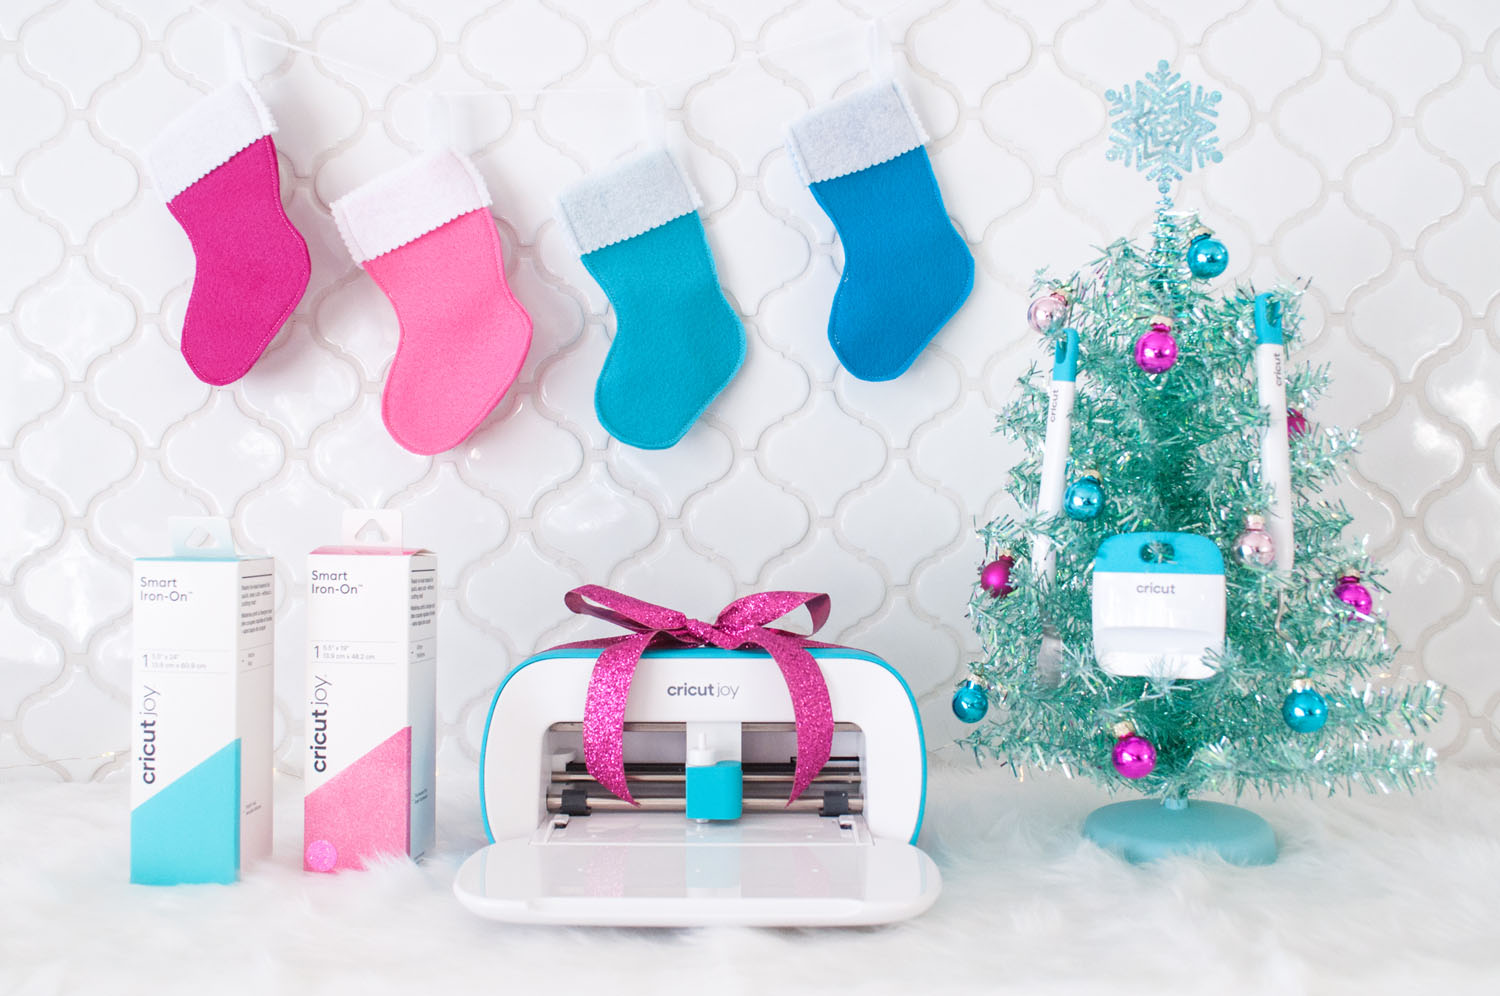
(216,168)
(424,233)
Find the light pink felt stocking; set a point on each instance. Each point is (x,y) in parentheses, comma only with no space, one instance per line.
(216,168)
(424,234)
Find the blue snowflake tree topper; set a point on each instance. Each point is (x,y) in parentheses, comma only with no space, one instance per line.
(1163,125)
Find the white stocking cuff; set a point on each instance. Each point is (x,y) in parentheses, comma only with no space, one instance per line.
(627,200)
(206,136)
(864,129)
(408,202)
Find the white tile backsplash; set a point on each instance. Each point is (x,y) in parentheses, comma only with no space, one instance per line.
(1360,153)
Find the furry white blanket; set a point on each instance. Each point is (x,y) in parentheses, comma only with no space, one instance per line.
(1397,894)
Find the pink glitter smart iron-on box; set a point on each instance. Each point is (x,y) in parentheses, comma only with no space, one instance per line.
(653,789)
(371,696)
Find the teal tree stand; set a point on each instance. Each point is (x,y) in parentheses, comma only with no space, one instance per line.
(1145,829)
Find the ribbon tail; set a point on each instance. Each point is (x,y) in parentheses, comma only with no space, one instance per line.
(604,713)
(810,706)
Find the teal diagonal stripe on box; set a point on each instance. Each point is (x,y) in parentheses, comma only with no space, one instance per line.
(190,830)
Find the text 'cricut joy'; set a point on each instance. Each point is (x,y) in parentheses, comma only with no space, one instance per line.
(318,736)
(147,756)
(709,691)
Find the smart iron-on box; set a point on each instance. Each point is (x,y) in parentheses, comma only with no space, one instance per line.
(709,755)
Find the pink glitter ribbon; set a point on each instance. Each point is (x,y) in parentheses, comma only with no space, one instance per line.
(742,623)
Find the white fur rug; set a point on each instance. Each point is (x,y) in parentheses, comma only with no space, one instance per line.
(1396,894)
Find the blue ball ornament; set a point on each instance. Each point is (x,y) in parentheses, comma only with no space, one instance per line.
(970,701)
(1207,257)
(1084,498)
(1305,710)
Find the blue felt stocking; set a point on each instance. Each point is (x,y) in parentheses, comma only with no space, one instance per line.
(906,269)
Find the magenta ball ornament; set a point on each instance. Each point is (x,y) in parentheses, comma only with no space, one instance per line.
(994,577)
(1047,312)
(1156,351)
(1355,595)
(1296,423)
(1134,756)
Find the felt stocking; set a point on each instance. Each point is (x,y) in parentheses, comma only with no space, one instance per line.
(216,168)
(906,269)
(677,341)
(424,233)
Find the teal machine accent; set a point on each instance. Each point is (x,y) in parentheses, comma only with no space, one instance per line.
(715,791)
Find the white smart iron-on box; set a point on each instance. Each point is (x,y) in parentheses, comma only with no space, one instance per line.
(567,851)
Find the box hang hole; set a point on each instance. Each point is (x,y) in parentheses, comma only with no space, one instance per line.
(1158,552)
(372,527)
(200,537)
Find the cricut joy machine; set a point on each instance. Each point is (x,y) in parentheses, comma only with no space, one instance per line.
(566,851)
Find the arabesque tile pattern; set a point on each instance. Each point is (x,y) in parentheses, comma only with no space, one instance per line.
(1361,152)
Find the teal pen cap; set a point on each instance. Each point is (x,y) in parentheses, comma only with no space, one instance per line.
(1267,320)
(1065,361)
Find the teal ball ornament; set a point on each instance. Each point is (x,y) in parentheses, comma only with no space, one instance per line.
(970,701)
(1305,710)
(1084,498)
(1207,257)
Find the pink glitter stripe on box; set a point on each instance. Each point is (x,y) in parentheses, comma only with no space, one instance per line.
(363,811)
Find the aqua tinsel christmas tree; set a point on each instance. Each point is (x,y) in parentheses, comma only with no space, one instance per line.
(1184,455)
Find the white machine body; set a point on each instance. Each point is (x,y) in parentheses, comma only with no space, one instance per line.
(566,852)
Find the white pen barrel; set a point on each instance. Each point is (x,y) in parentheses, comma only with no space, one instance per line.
(1275,452)
(1054,468)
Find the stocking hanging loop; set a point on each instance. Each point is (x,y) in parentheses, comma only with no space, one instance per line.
(234,55)
(878,43)
(439,123)
(654,116)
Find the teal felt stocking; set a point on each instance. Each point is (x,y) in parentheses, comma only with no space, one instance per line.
(677,340)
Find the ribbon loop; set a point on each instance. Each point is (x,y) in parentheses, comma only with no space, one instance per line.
(742,623)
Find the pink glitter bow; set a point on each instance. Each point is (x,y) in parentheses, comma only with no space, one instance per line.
(741,624)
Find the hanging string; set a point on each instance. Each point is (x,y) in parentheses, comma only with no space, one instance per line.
(108,755)
(875,27)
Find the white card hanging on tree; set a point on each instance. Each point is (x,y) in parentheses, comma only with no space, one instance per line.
(1158,605)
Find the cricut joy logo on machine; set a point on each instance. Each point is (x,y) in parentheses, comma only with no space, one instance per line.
(708,691)
(318,735)
(148,735)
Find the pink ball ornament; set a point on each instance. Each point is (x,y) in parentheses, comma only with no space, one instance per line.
(1156,351)
(994,577)
(1296,423)
(1355,595)
(1134,756)
(1254,545)
(1047,312)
